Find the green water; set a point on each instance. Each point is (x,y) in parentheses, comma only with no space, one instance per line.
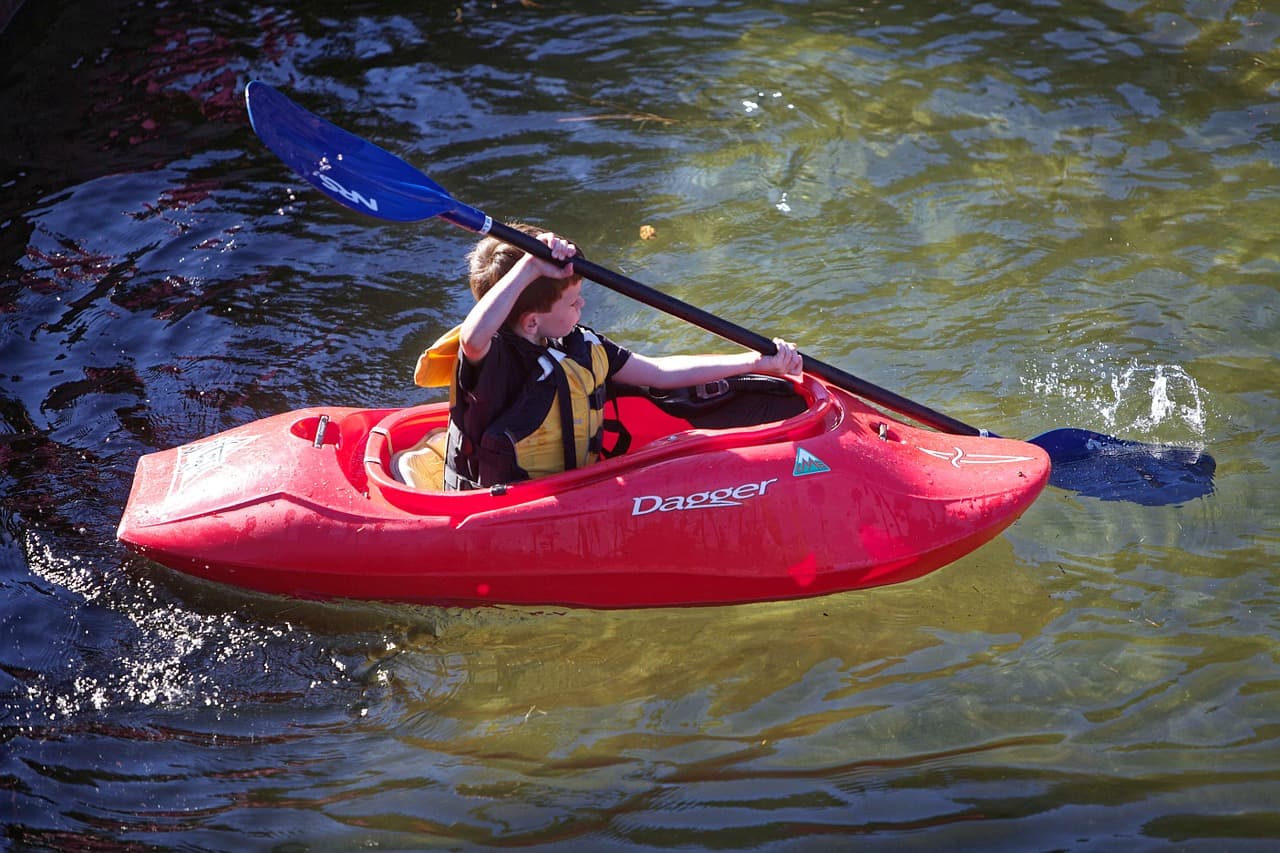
(1025,215)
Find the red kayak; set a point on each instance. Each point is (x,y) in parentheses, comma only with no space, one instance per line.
(761,491)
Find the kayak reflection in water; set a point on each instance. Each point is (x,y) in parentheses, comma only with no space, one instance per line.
(528,382)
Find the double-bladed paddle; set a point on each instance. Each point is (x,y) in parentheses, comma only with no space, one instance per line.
(364,177)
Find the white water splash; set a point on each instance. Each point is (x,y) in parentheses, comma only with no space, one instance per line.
(1160,401)
(1147,397)
(158,653)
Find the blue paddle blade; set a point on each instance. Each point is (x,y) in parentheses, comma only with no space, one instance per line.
(1113,469)
(348,169)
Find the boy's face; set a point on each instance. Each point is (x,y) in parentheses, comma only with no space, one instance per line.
(564,314)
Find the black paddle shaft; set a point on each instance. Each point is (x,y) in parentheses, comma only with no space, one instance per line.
(733,332)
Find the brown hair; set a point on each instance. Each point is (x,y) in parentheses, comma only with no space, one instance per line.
(491,259)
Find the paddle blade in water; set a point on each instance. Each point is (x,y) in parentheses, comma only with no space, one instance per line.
(1114,469)
(348,169)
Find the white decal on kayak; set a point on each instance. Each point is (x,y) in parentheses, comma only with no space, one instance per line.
(350,195)
(958,457)
(196,460)
(729,496)
(807,463)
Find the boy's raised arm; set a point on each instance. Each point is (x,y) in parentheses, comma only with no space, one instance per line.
(488,315)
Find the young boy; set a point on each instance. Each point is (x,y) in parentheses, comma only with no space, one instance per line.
(528,375)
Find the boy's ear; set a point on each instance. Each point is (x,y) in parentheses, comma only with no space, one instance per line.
(528,322)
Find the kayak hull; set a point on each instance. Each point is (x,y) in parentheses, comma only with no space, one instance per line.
(835,498)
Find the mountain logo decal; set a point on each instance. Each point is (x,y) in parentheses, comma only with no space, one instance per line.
(807,463)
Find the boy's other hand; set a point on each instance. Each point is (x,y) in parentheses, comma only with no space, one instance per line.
(787,361)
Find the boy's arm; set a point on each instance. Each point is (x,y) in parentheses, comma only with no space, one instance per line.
(677,371)
(486,317)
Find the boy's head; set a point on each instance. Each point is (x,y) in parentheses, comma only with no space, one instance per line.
(491,259)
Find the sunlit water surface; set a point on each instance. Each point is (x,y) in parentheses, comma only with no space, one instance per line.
(1027,215)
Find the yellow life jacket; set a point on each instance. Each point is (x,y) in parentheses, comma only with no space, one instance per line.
(438,365)
(555,423)
(545,450)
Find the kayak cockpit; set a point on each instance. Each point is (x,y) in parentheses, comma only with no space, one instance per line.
(751,410)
